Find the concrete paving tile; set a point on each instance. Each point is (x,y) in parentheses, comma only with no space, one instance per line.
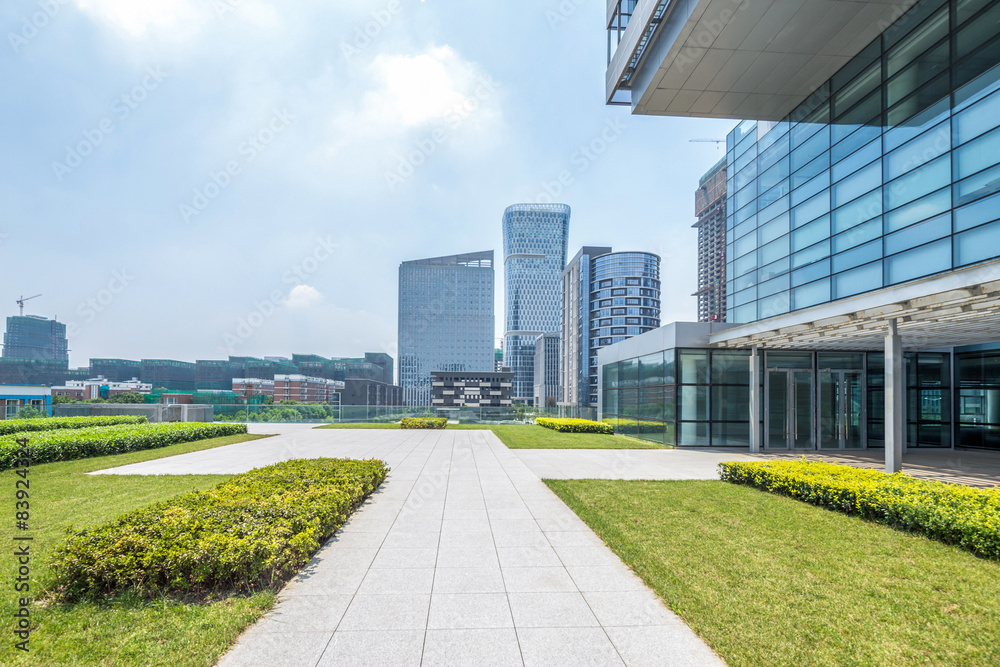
(534,556)
(496,647)
(551,610)
(461,526)
(374,649)
(397,539)
(526,538)
(479,538)
(623,608)
(306,613)
(468,580)
(276,649)
(561,524)
(405,558)
(662,647)
(506,514)
(397,580)
(587,556)
(557,647)
(469,610)
(356,539)
(573,538)
(517,526)
(606,578)
(347,558)
(324,581)
(387,612)
(538,580)
(467,557)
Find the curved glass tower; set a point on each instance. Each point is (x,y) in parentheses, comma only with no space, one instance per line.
(535,240)
(624,302)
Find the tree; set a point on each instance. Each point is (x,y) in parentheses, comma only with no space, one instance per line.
(132,397)
(60,400)
(28,412)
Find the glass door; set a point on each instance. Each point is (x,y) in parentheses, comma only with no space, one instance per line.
(789,409)
(841,403)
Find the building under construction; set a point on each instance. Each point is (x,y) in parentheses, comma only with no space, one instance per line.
(33,337)
(115,370)
(710,207)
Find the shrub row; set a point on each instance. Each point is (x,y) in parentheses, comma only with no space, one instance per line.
(8,426)
(65,445)
(574,425)
(951,513)
(250,532)
(423,422)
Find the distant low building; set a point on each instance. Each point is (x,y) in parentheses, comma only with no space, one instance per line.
(305,389)
(15,397)
(470,389)
(82,390)
(359,391)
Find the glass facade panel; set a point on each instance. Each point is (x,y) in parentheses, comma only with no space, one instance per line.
(914,132)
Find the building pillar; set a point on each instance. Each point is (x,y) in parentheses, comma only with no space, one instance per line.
(895,401)
(754,400)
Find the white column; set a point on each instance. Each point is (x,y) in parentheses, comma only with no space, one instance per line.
(895,401)
(754,401)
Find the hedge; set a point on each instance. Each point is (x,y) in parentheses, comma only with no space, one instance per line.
(574,425)
(250,532)
(8,426)
(65,445)
(951,513)
(423,422)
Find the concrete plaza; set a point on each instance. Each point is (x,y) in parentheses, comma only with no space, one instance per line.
(463,557)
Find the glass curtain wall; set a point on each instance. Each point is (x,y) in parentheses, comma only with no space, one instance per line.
(889,172)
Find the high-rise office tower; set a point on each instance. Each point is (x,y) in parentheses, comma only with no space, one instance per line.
(607,297)
(535,239)
(710,207)
(33,337)
(446,320)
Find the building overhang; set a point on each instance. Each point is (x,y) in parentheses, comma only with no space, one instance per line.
(957,308)
(736,58)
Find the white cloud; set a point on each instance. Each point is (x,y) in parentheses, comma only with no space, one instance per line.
(135,19)
(303,296)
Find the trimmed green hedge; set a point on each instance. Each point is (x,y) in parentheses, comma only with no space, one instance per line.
(423,422)
(8,426)
(574,425)
(250,532)
(65,445)
(951,513)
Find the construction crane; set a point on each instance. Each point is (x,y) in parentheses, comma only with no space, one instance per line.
(713,141)
(21,301)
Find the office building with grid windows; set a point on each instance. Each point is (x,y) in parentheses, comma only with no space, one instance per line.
(862,224)
(535,239)
(446,320)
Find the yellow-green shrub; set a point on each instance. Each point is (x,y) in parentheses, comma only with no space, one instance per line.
(563,425)
(251,532)
(9,426)
(423,422)
(951,513)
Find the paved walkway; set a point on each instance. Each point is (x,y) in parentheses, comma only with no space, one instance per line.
(464,557)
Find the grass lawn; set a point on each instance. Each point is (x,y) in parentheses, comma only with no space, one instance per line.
(768,580)
(530,436)
(131,632)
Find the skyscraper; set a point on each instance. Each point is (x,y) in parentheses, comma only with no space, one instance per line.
(33,337)
(607,297)
(535,239)
(710,207)
(446,320)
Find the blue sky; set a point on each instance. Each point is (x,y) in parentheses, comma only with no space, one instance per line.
(191,179)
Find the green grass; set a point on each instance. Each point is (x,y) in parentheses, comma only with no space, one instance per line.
(530,436)
(768,580)
(130,632)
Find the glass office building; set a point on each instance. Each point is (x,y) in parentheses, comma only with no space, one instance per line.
(445,320)
(535,238)
(862,226)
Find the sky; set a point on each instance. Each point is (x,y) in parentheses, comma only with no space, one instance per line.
(192,179)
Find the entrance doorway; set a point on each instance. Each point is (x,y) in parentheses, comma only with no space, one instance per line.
(841,401)
(788,409)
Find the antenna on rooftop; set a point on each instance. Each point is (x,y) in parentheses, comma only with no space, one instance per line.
(21,301)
